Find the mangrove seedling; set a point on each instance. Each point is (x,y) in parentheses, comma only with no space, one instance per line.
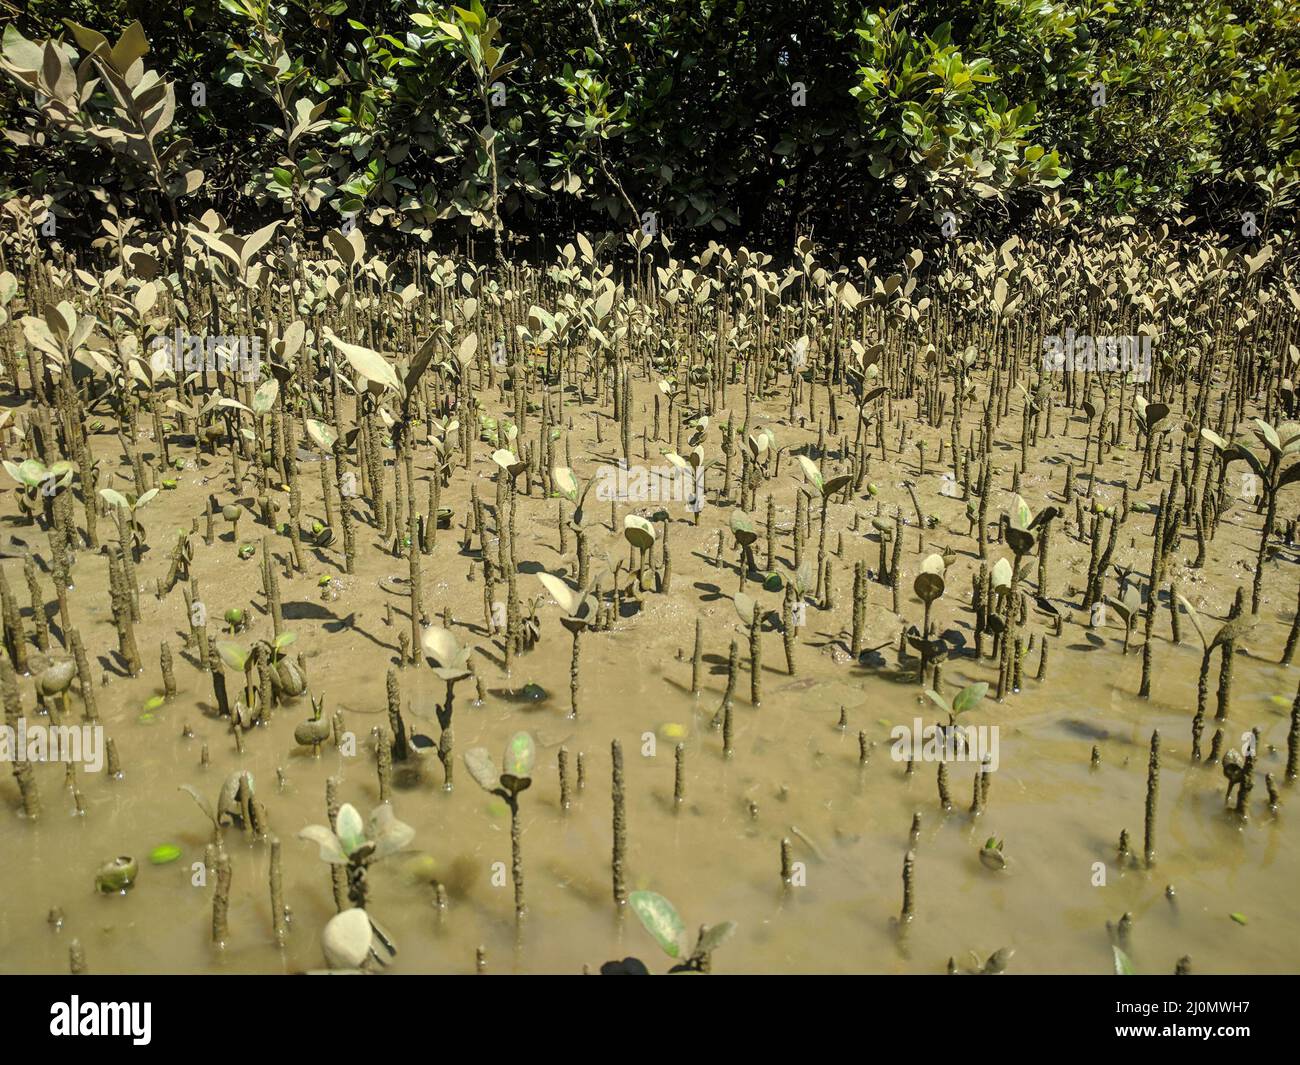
(54,681)
(1280,441)
(315,731)
(450,662)
(514,777)
(241,659)
(963,702)
(236,803)
(358,846)
(641,535)
(929,586)
(231,513)
(129,504)
(36,480)
(991,854)
(117,876)
(743,530)
(660,918)
(823,489)
(351,941)
(1228,633)
(288,676)
(1128,609)
(579,611)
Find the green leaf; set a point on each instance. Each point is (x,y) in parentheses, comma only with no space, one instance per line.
(164,853)
(233,655)
(1123,963)
(938,700)
(350,828)
(323,435)
(519,756)
(661,920)
(969,697)
(1021,515)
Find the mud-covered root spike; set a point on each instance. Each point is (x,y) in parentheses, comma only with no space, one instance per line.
(679,775)
(1153,795)
(1293,740)
(279,926)
(76,958)
(1293,636)
(787,627)
(565,797)
(383,762)
(1183,967)
(697,658)
(221,902)
(393,691)
(338,873)
(113,763)
(1246,782)
(909,902)
(85,683)
(620,825)
(168,674)
(1228,653)
(945,798)
(787,862)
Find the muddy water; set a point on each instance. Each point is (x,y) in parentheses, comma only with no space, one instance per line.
(718,857)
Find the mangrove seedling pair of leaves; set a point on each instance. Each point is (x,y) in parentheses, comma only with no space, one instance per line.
(660,918)
(963,702)
(316,730)
(579,605)
(354,842)
(515,774)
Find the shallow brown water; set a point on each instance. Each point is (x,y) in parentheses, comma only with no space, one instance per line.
(716,858)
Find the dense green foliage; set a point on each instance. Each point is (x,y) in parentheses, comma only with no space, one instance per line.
(758,118)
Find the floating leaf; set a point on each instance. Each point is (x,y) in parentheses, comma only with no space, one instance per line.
(164,853)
